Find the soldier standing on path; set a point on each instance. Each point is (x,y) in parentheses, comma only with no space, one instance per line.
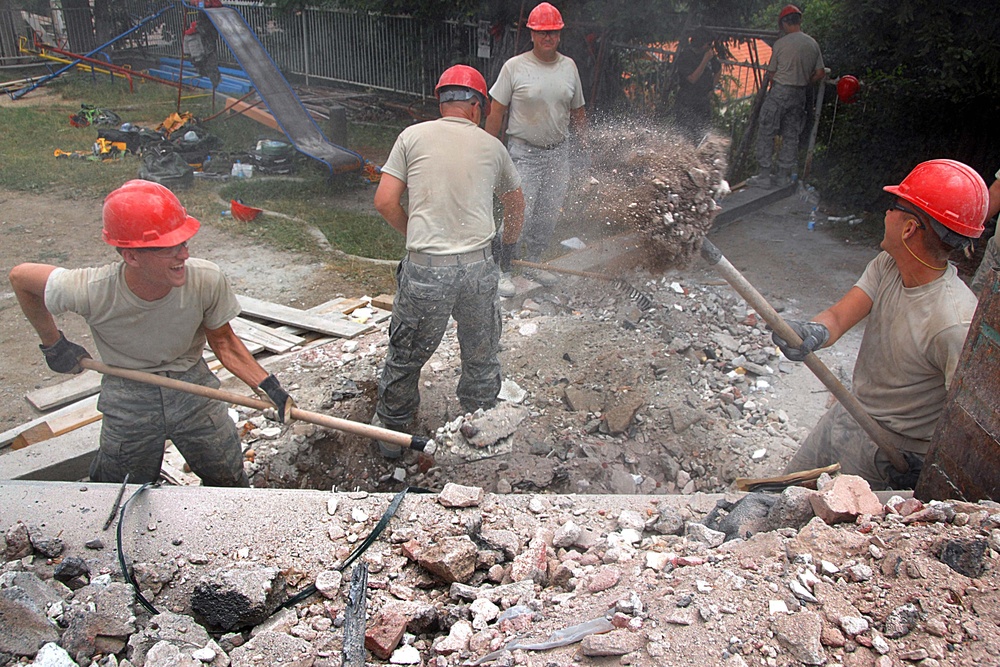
(450,169)
(542,92)
(796,63)
(153,311)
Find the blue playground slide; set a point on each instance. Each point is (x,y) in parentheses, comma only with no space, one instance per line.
(277,94)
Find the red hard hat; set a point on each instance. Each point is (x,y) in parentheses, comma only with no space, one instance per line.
(787,10)
(847,88)
(466,77)
(242,212)
(545,17)
(143,214)
(950,192)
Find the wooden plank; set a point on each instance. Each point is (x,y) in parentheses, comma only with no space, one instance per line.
(383,301)
(34,434)
(272,340)
(339,327)
(7,437)
(79,386)
(85,414)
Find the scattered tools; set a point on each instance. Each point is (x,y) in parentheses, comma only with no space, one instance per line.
(805,478)
(642,301)
(416,442)
(714,256)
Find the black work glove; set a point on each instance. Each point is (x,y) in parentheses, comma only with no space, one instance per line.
(277,395)
(505,256)
(813,335)
(63,356)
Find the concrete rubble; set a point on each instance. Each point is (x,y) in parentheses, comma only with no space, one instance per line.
(468,577)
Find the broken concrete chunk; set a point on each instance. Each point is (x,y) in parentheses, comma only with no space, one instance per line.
(99,619)
(620,416)
(238,596)
(328,583)
(167,627)
(24,628)
(385,633)
(456,641)
(53,655)
(18,542)
(452,559)
(845,499)
(616,642)
(274,648)
(800,634)
(457,495)
(583,400)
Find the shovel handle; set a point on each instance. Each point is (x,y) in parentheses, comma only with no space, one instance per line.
(711,254)
(416,442)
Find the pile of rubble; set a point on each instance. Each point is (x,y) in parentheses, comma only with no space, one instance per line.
(467,578)
(601,397)
(653,181)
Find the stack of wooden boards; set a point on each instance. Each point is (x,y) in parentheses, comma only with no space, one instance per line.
(265,328)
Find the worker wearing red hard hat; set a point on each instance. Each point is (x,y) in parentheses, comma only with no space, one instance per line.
(796,63)
(541,94)
(151,311)
(991,258)
(918,314)
(450,169)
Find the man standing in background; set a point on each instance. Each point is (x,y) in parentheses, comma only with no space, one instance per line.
(541,92)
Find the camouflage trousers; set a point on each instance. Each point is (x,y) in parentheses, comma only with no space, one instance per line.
(139,418)
(838,438)
(783,113)
(426,297)
(545,175)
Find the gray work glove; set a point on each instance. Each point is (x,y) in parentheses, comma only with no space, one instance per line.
(63,356)
(813,335)
(505,256)
(283,403)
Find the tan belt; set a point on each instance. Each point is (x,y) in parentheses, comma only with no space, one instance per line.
(471,257)
(544,148)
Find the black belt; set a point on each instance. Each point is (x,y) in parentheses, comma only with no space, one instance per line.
(471,257)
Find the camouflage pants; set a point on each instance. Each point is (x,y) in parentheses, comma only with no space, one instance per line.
(545,174)
(991,260)
(783,113)
(139,418)
(425,299)
(838,438)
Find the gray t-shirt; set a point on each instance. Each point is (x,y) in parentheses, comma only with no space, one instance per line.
(451,168)
(794,58)
(163,335)
(539,96)
(912,343)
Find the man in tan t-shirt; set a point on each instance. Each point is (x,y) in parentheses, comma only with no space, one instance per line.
(796,63)
(919,313)
(450,168)
(153,311)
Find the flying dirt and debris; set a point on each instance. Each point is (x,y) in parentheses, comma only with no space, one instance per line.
(651,181)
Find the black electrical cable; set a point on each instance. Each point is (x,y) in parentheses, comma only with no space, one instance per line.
(126,572)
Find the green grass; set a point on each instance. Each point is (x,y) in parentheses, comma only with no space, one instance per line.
(31,134)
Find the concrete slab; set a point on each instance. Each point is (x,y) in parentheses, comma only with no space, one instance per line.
(64,458)
(746,201)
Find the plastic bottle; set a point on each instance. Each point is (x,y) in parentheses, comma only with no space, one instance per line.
(812,219)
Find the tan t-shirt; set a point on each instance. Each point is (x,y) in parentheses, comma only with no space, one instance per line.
(794,59)
(163,335)
(539,96)
(910,350)
(451,168)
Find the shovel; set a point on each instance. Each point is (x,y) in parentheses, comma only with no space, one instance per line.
(416,442)
(714,256)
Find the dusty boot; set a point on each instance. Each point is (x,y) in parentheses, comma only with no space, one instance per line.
(762,180)
(506,287)
(386,449)
(543,278)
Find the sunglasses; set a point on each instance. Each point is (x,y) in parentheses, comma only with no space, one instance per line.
(896,206)
(167,253)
